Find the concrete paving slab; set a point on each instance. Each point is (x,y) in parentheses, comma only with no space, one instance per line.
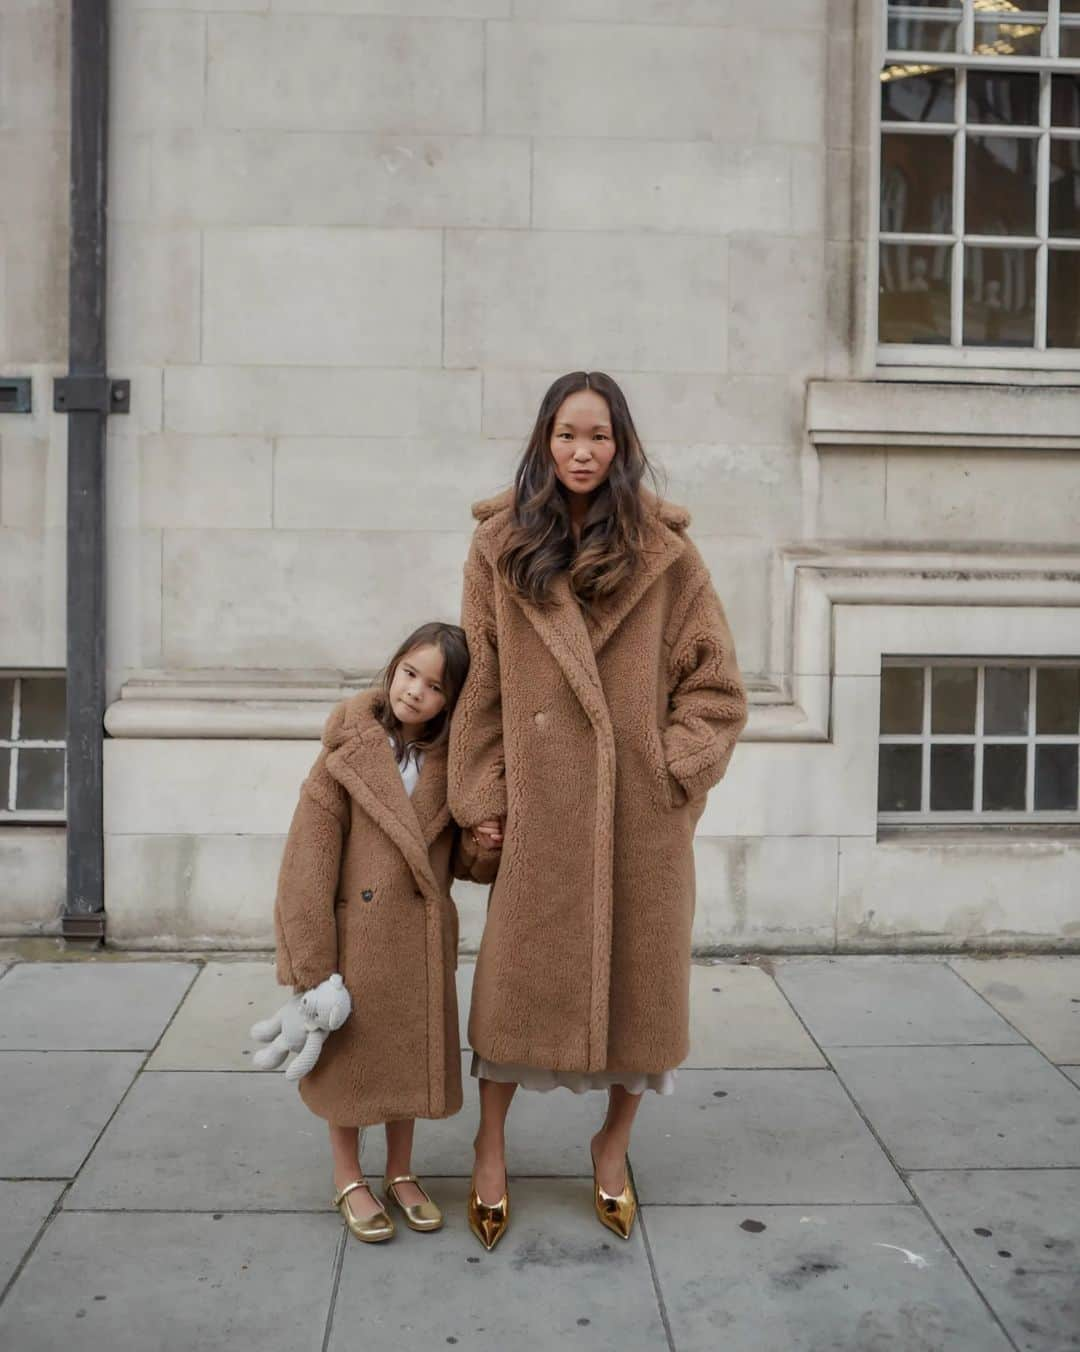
(211,1030)
(870,1001)
(740,1019)
(844,1278)
(57,1006)
(209,1141)
(55,1104)
(965,1107)
(1018,1234)
(124,1283)
(1073,1072)
(1039,996)
(24,1207)
(556,1279)
(759,1136)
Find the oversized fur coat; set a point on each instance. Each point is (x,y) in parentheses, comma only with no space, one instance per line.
(597,735)
(364,891)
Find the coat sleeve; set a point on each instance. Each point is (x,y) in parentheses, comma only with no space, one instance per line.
(476,863)
(304,924)
(707,699)
(476,773)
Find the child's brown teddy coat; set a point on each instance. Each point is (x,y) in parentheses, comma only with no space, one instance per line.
(364,891)
(598,737)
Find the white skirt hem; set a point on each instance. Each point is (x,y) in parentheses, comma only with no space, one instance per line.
(577,1081)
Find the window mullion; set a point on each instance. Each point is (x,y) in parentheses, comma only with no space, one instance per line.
(1042,210)
(956,325)
(980,723)
(924,796)
(1029,786)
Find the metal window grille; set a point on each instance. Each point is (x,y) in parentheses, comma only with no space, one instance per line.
(33,751)
(979,741)
(989,292)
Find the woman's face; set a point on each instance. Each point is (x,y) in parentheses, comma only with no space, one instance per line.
(582,444)
(417,694)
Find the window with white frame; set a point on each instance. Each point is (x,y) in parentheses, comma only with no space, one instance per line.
(33,754)
(979,218)
(989,741)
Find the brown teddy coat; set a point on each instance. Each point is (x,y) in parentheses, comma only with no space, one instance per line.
(597,735)
(364,891)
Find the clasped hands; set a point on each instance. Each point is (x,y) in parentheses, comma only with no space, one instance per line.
(489,833)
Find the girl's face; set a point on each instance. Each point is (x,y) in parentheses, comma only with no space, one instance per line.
(417,694)
(582,444)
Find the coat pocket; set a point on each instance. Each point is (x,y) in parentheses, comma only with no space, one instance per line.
(670,791)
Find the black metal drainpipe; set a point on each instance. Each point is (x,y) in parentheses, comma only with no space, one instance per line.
(87,396)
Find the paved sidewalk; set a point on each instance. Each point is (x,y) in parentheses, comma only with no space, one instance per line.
(862,1153)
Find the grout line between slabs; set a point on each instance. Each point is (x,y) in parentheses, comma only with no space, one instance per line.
(661,1304)
(339,1260)
(1005,1018)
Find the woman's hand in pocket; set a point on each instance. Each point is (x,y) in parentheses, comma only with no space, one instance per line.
(489,834)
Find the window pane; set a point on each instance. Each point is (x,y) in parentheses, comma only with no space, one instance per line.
(7,708)
(999,188)
(5,777)
(922,35)
(901,699)
(916,184)
(41,702)
(1063,299)
(1064,188)
(1055,778)
(1010,98)
(999,297)
(952,778)
(1004,778)
(952,699)
(914,287)
(899,778)
(1065,100)
(1006,700)
(1057,699)
(40,779)
(1010,39)
(917,95)
(1069,42)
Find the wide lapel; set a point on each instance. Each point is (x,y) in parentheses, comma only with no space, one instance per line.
(365,767)
(561,627)
(660,548)
(428,800)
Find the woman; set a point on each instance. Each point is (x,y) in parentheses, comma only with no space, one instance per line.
(602,703)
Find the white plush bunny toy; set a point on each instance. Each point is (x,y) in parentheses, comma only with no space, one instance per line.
(301,1025)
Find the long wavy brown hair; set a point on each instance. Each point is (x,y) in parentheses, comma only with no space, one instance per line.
(450,640)
(541,544)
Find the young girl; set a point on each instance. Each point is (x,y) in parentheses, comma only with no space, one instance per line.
(364,891)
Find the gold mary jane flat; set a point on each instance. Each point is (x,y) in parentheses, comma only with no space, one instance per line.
(488,1223)
(371,1229)
(423,1215)
(616,1212)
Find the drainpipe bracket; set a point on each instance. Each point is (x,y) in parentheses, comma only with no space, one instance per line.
(91,394)
(87,927)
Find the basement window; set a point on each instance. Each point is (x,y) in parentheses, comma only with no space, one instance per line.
(33,752)
(979,741)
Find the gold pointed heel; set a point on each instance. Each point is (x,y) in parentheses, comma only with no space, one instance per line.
(423,1215)
(616,1212)
(372,1229)
(488,1223)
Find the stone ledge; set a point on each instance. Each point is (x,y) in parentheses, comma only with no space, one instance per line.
(892,413)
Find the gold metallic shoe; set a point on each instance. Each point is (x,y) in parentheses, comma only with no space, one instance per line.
(488,1223)
(373,1229)
(616,1212)
(423,1215)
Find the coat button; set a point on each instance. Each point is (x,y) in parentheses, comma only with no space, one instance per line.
(540,719)
(367,893)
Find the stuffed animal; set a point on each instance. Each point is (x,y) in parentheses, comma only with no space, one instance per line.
(301,1025)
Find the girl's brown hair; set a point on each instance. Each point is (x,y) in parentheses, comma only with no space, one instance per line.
(542,543)
(450,640)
